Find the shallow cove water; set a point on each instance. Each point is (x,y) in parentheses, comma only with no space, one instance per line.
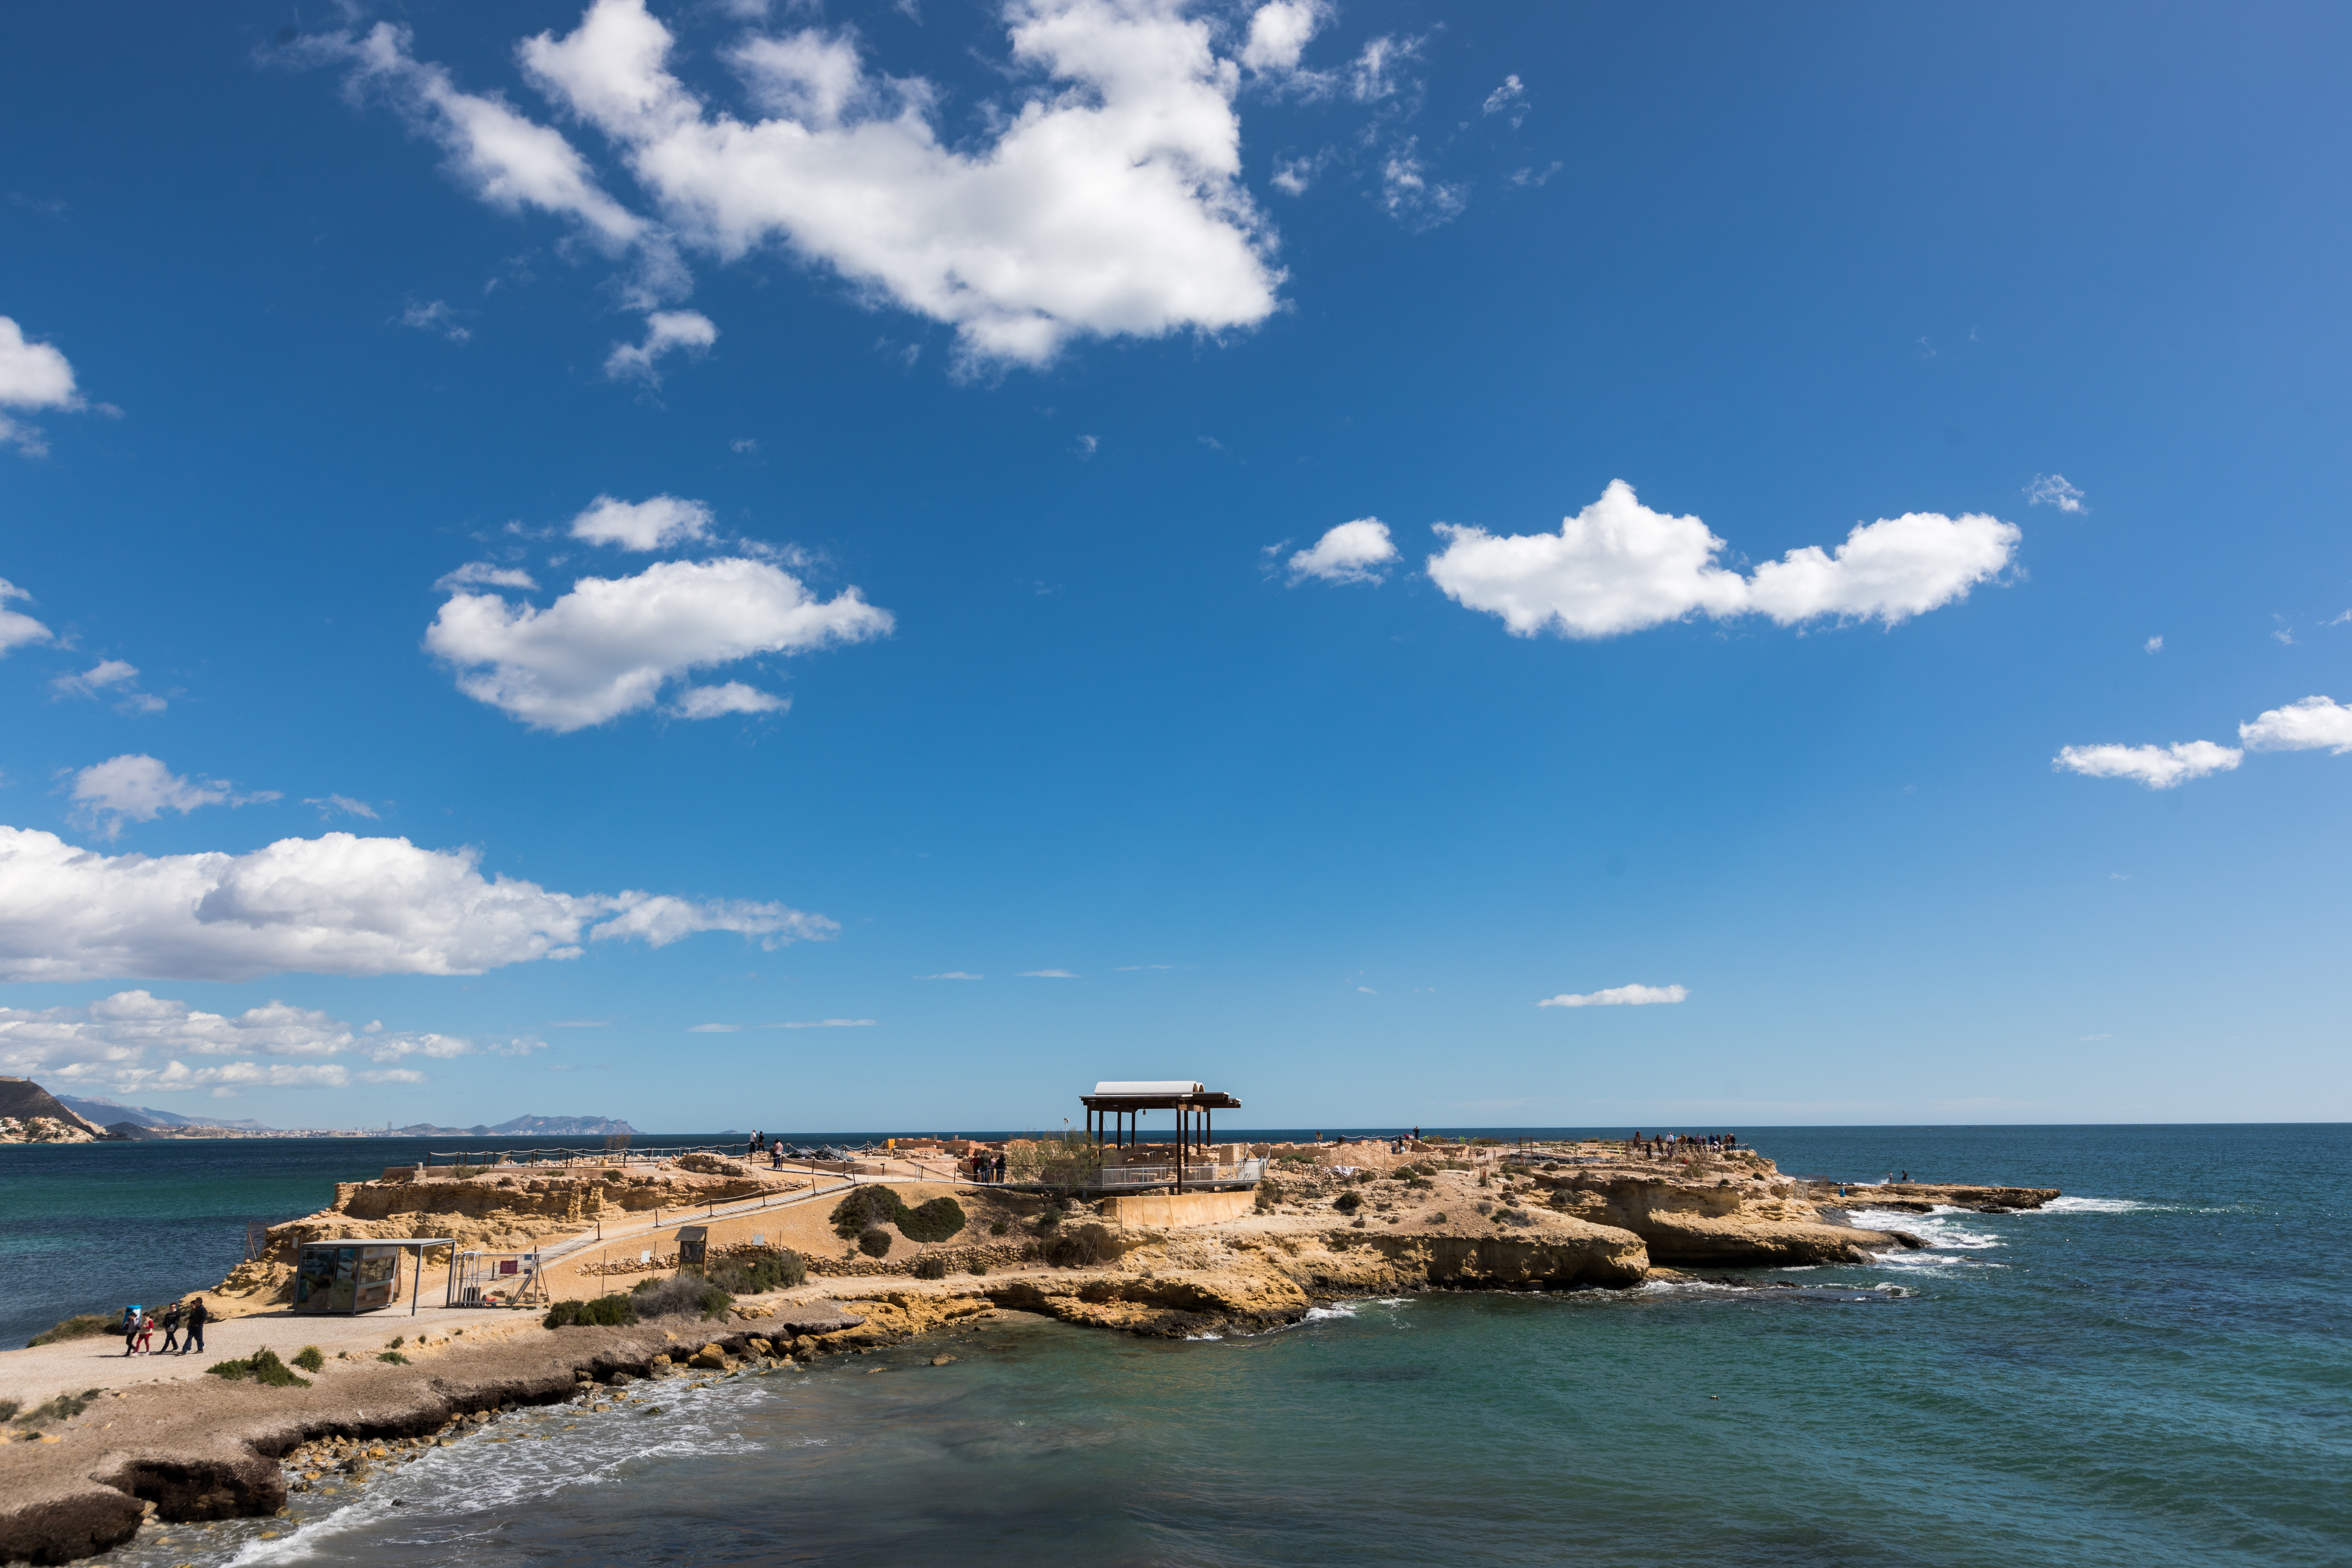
(2155,1372)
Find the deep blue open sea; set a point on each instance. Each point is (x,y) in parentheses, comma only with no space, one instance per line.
(2158,1371)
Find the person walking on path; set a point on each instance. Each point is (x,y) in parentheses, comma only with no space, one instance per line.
(170,1330)
(197,1317)
(146,1332)
(131,1316)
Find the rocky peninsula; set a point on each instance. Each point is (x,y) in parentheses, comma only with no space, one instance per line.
(1329,1222)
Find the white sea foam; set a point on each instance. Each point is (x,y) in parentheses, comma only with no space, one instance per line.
(1344,1309)
(483,1473)
(2090,1205)
(1936,1229)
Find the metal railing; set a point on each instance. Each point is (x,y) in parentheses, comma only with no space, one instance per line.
(1111,1177)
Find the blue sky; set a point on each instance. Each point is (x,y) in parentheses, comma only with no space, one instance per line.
(739,511)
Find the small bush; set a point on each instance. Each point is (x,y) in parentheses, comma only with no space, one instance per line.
(1268,1194)
(64,1407)
(310,1358)
(978,1269)
(8,1408)
(875,1242)
(1348,1203)
(81,1326)
(614,1310)
(1082,1245)
(998,1228)
(394,1357)
(934,1221)
(682,1295)
(264,1367)
(398,1341)
(761,1273)
(861,1209)
(1050,1218)
(1437,1218)
(931,1268)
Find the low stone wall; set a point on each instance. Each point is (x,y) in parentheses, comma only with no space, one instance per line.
(1171,1211)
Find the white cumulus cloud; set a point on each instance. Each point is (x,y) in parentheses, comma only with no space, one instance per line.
(665,332)
(1046,974)
(32,376)
(1619,566)
(1619,996)
(653,524)
(2157,767)
(500,155)
(1351,553)
(2310,725)
(606,648)
(1110,205)
(336,904)
(16,628)
(1279,32)
(114,1043)
(137,788)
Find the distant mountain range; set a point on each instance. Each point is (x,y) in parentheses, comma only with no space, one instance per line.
(105,1112)
(535,1126)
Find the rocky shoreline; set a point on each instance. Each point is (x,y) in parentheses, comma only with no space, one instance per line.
(1328,1225)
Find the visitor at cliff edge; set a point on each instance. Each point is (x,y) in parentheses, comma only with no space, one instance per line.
(198,1315)
(999,1164)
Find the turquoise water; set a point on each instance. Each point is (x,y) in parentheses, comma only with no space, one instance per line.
(2156,1371)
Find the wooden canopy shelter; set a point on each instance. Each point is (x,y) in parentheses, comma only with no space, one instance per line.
(1113,1107)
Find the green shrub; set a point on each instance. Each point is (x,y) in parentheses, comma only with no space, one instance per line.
(761,1273)
(874,1243)
(1066,1162)
(8,1408)
(1437,1218)
(681,1294)
(1348,1203)
(310,1358)
(931,1268)
(1082,1245)
(998,1228)
(394,1357)
(82,1326)
(614,1310)
(398,1341)
(977,1268)
(934,1221)
(1050,1218)
(863,1208)
(264,1367)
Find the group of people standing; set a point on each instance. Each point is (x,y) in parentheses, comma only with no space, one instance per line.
(1673,1145)
(986,1168)
(139,1326)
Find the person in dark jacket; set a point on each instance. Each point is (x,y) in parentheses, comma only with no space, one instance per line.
(198,1315)
(131,1316)
(170,1321)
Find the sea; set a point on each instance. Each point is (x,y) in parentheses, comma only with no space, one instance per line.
(2155,1370)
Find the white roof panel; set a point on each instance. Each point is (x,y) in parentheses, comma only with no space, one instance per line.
(1157,1086)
